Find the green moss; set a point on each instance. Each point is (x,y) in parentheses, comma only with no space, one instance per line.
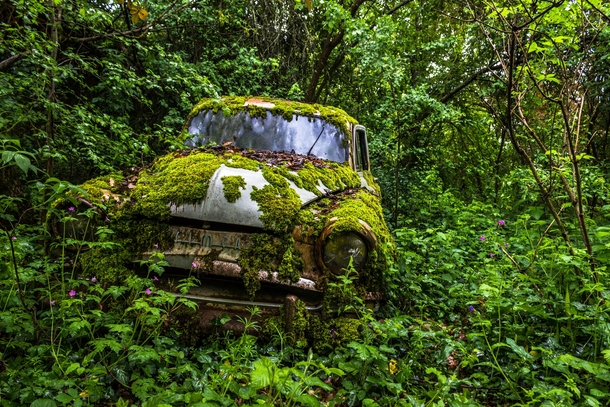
(291,265)
(279,203)
(239,161)
(112,265)
(338,297)
(349,207)
(300,324)
(178,179)
(262,254)
(272,254)
(108,266)
(95,187)
(366,207)
(231,187)
(287,109)
(206,263)
(334,333)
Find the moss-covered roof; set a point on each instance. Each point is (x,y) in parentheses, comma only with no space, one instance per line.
(258,106)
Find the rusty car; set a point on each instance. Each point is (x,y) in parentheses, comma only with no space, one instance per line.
(269,204)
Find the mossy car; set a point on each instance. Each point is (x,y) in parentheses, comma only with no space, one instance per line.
(270,203)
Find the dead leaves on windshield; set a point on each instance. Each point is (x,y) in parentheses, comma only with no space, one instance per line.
(271,158)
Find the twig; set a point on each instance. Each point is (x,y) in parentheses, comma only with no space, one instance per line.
(519,267)
(136,30)
(11,60)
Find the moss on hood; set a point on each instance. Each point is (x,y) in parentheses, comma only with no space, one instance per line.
(184,178)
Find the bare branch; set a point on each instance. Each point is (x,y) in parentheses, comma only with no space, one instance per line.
(604,15)
(400,5)
(11,60)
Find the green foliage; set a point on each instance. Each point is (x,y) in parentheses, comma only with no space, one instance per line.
(465,131)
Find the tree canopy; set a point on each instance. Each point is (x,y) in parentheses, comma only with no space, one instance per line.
(488,126)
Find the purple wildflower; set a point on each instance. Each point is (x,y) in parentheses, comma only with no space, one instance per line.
(107,219)
(102,199)
(501,222)
(471,309)
(155,278)
(505,244)
(492,254)
(14,237)
(51,303)
(482,238)
(148,291)
(72,293)
(93,279)
(71,209)
(195,265)
(156,245)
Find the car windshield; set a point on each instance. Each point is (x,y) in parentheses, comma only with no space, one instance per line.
(301,135)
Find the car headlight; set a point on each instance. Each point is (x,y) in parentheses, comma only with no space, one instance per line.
(335,250)
(339,249)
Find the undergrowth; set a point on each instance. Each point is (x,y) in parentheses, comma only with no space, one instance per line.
(484,308)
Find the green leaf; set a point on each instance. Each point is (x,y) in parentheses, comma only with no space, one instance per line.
(23,162)
(263,373)
(519,350)
(43,403)
(307,400)
(7,156)
(72,367)
(64,398)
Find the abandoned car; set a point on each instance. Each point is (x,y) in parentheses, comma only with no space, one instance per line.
(269,205)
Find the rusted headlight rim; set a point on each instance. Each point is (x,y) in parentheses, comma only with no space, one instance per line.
(366,232)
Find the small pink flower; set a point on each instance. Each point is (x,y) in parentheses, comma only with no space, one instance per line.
(71,209)
(482,238)
(501,222)
(93,279)
(102,199)
(492,254)
(107,219)
(505,244)
(148,291)
(14,237)
(51,303)
(155,278)
(156,245)
(195,265)
(72,293)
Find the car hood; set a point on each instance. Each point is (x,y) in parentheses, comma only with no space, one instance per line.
(244,211)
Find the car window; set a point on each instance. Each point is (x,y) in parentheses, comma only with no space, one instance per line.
(301,135)
(361,162)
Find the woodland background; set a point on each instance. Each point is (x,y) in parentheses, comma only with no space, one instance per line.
(489,132)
